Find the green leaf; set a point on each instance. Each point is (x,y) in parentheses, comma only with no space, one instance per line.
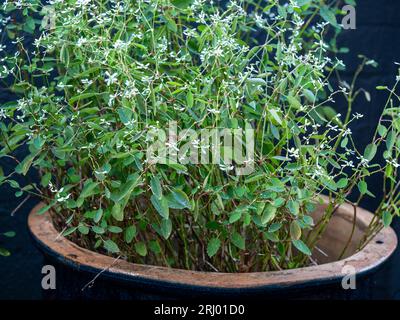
(235,216)
(342,183)
(279,202)
(45,179)
(111,246)
(69,231)
(98,230)
(274,227)
(88,188)
(30,25)
(213,246)
(44,209)
(171,24)
(370,151)
(271,236)
(176,166)
(275,132)
(38,142)
(382,130)
(308,220)
(9,234)
(387,219)
(189,99)
(344,142)
(83,229)
(182,4)
(155,186)
(309,95)
(303,2)
(329,183)
(238,240)
(117,212)
(130,234)
(328,15)
(4,252)
(363,187)
(154,246)
(390,140)
(125,115)
(161,206)
(24,165)
(98,215)
(114,229)
(166,228)
(294,102)
(275,115)
(382,88)
(295,230)
(282,12)
(294,207)
(331,114)
(177,199)
(141,249)
(64,55)
(127,188)
(268,214)
(82,96)
(302,247)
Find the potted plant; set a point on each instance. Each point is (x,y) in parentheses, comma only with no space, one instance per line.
(187,148)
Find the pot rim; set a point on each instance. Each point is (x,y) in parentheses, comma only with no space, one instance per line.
(374,254)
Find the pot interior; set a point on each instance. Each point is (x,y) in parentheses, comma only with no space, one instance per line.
(338,233)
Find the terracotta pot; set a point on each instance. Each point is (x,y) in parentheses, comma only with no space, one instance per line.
(77,267)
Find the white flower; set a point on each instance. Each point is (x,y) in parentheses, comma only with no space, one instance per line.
(2,114)
(347,132)
(226,168)
(393,163)
(196,143)
(213,111)
(363,161)
(121,45)
(63,86)
(111,78)
(260,21)
(62,199)
(349,164)
(87,82)
(333,128)
(293,152)
(318,172)
(358,115)
(131,90)
(218,52)
(81,41)
(82,3)
(52,188)
(190,33)
(111,99)
(172,145)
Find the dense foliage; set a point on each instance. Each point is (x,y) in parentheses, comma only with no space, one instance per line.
(104,74)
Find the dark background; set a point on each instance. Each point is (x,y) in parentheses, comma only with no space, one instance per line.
(376,36)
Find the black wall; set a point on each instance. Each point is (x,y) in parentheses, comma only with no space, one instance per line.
(376,36)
